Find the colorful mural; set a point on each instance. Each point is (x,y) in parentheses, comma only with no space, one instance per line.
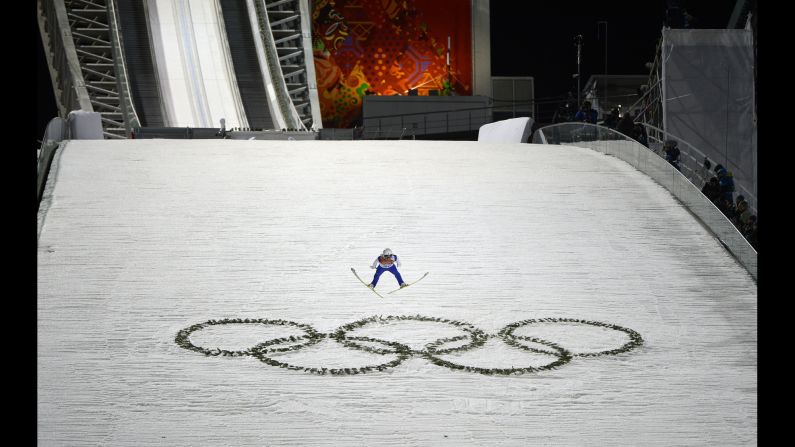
(388,47)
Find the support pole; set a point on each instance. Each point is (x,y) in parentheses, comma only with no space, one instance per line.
(578,42)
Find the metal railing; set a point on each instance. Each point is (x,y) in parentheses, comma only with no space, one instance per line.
(283,61)
(90,27)
(649,106)
(86,61)
(129,115)
(692,161)
(649,110)
(437,122)
(611,142)
(410,126)
(59,48)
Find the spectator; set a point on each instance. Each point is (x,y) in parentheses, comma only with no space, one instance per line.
(640,135)
(750,231)
(563,114)
(626,125)
(747,227)
(571,101)
(688,21)
(739,199)
(712,190)
(611,120)
(586,113)
(726,181)
(703,172)
(674,15)
(743,214)
(726,206)
(672,153)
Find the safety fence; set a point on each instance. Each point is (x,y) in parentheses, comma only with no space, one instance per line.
(611,142)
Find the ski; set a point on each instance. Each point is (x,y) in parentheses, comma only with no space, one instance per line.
(365,284)
(415,282)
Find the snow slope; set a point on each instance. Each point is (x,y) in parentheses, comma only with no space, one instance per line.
(142,239)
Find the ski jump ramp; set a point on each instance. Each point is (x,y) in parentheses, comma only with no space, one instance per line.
(196,292)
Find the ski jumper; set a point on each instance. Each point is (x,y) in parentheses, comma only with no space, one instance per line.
(386,264)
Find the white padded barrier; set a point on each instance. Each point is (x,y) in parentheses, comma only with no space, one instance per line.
(514,130)
(85,125)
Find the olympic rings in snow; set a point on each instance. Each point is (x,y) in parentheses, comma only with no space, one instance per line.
(634,338)
(476,335)
(311,337)
(476,338)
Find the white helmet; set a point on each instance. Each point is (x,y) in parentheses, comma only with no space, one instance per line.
(387,252)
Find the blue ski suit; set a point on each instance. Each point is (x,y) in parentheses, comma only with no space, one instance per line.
(386,264)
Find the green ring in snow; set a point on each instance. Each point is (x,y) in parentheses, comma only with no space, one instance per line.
(311,337)
(635,339)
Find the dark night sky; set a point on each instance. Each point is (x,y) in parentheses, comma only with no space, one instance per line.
(536,38)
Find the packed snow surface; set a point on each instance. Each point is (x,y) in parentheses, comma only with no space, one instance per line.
(141,241)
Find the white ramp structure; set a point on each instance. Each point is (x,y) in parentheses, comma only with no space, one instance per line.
(182,63)
(197,292)
(197,78)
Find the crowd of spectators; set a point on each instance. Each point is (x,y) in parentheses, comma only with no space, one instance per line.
(626,125)
(720,190)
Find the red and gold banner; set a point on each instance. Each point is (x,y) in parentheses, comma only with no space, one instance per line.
(388,47)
